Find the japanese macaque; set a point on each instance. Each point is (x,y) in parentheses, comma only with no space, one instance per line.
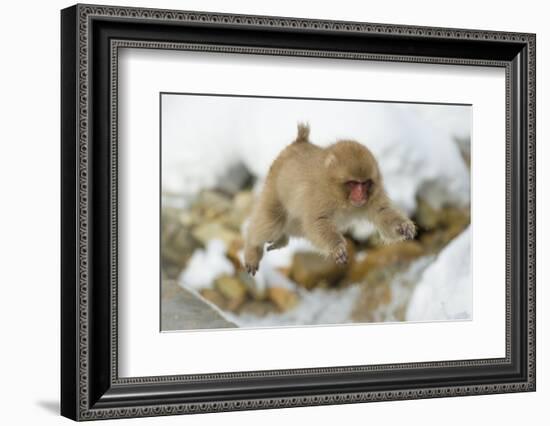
(316,193)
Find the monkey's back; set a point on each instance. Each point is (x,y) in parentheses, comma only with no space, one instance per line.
(294,175)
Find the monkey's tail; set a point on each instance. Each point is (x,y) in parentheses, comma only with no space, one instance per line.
(303,133)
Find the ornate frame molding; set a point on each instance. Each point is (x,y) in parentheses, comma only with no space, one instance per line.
(82,16)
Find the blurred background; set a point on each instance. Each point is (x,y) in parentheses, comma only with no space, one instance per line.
(216,151)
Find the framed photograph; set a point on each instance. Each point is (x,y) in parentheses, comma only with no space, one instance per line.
(263,212)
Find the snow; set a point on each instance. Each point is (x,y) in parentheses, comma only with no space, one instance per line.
(401,288)
(202,136)
(316,307)
(445,289)
(205,266)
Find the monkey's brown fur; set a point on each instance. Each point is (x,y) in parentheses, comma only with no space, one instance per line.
(307,194)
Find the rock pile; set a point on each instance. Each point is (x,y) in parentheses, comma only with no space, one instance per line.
(375,267)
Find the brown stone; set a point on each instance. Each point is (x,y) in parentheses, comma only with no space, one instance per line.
(235,246)
(243,201)
(213,296)
(251,286)
(437,239)
(310,269)
(234,304)
(284,270)
(426,216)
(211,204)
(241,208)
(214,230)
(187,219)
(258,308)
(178,244)
(429,218)
(384,256)
(232,290)
(283,298)
(373,296)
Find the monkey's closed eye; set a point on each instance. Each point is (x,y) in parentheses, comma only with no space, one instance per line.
(367,184)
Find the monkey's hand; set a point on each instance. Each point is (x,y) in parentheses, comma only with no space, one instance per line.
(340,254)
(406,230)
(398,229)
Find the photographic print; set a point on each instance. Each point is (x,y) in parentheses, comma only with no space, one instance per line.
(281,211)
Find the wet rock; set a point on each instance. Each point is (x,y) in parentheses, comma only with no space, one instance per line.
(439,238)
(214,296)
(170,271)
(283,298)
(233,291)
(384,294)
(252,288)
(233,251)
(240,211)
(440,226)
(381,257)
(169,227)
(243,201)
(426,216)
(183,242)
(429,218)
(178,244)
(373,296)
(310,269)
(285,271)
(211,204)
(257,308)
(214,230)
(185,310)
(236,177)
(174,257)
(188,219)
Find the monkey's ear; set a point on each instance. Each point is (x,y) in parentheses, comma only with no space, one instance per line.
(331,160)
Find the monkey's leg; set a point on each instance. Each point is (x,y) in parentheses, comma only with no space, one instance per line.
(390,221)
(324,235)
(267,224)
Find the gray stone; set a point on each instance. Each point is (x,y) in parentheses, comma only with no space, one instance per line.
(183,310)
(237,177)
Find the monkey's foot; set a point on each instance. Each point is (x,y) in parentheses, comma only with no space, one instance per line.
(280,243)
(252,257)
(251,269)
(407,230)
(340,254)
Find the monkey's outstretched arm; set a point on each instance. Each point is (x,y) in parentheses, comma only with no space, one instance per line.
(324,235)
(390,221)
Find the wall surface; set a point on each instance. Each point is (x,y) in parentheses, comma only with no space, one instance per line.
(29,225)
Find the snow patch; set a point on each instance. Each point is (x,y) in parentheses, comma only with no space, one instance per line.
(316,307)
(205,266)
(445,289)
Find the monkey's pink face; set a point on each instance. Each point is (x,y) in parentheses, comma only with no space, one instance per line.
(359,191)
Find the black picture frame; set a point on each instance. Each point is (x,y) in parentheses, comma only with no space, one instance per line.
(90,386)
